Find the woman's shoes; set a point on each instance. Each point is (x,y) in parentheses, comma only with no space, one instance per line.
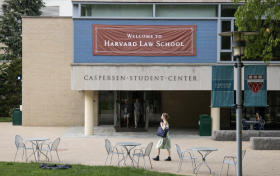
(168,159)
(156,158)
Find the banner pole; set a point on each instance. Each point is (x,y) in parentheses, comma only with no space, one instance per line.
(239,117)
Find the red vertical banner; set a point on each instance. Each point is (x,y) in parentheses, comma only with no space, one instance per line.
(144,40)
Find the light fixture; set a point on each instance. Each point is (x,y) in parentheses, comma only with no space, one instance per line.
(238,43)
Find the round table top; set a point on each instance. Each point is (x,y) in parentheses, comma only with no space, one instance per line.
(203,149)
(128,143)
(37,139)
(252,121)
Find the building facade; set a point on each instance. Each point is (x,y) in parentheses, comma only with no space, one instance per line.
(82,71)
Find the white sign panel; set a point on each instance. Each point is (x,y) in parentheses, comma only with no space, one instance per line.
(141,78)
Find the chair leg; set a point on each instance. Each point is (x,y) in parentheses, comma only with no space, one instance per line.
(106,159)
(51,155)
(111,159)
(57,156)
(47,155)
(34,153)
(235,169)
(118,160)
(150,162)
(227,169)
(192,165)
(221,169)
(15,156)
(144,162)
(123,158)
(25,155)
(181,164)
(22,153)
(178,165)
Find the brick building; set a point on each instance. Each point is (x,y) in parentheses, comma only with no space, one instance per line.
(67,82)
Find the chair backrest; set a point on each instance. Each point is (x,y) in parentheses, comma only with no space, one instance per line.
(178,150)
(262,122)
(55,144)
(148,149)
(245,124)
(18,141)
(108,145)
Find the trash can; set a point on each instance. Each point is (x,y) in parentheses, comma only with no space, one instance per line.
(204,125)
(17,118)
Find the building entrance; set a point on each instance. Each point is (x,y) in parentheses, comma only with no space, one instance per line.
(151,108)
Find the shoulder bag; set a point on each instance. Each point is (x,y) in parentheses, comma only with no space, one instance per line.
(161,132)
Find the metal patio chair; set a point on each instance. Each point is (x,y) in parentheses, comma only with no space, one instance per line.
(110,151)
(142,154)
(52,146)
(22,146)
(231,160)
(245,124)
(262,123)
(182,157)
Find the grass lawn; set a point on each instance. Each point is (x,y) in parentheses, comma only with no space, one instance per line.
(6,119)
(24,169)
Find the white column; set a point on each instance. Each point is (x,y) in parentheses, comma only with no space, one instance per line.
(215,116)
(89,112)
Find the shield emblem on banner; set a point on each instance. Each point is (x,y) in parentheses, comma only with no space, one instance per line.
(255,82)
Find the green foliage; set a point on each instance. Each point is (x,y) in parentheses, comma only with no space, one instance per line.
(30,169)
(11,24)
(10,87)
(264,17)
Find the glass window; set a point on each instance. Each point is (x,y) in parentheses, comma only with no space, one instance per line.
(107,10)
(225,56)
(186,10)
(226,41)
(228,10)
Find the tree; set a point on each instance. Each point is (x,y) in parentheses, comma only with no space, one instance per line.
(11,24)
(10,86)
(264,17)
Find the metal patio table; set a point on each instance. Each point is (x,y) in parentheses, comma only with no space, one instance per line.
(131,146)
(37,142)
(252,123)
(203,149)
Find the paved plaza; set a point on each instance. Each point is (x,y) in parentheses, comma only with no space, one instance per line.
(90,150)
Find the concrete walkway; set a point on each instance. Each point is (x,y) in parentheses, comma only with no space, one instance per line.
(91,151)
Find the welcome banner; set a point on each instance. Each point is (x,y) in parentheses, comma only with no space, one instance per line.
(255,85)
(144,40)
(222,86)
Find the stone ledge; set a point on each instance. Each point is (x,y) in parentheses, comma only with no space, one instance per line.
(230,135)
(265,143)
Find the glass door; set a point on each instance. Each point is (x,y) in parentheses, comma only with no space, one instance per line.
(153,108)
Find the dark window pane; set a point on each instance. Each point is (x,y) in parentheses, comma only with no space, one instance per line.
(225,56)
(226,26)
(228,10)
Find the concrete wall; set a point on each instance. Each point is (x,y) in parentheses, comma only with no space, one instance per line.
(46,85)
(184,108)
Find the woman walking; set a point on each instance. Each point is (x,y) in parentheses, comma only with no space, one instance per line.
(164,142)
